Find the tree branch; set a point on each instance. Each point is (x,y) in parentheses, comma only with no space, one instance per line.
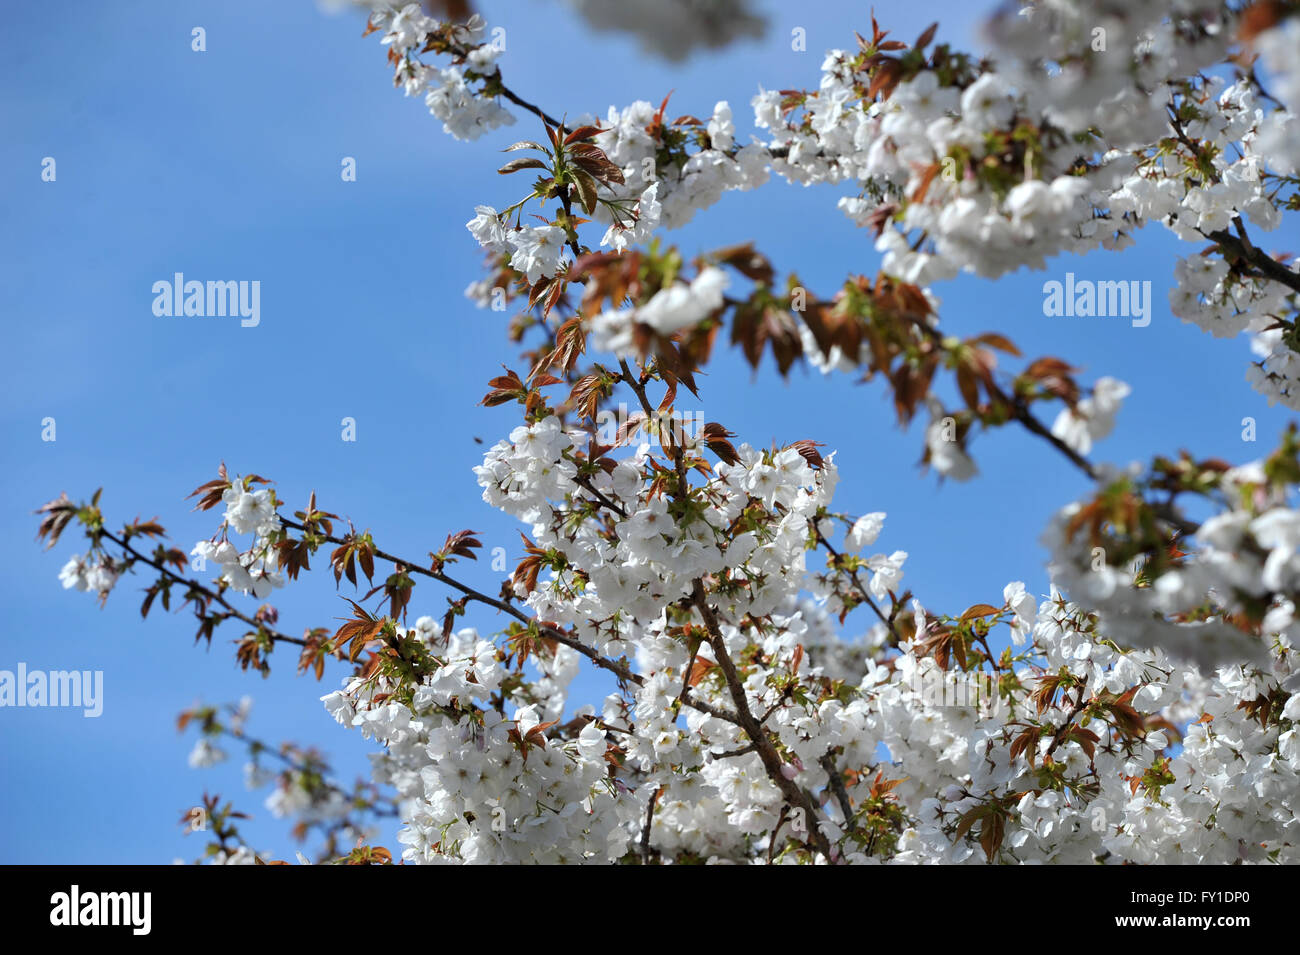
(212,595)
(753,729)
(616,667)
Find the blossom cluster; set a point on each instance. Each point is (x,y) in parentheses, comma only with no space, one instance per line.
(1126,723)
(1244,567)
(776,693)
(255,570)
(90,572)
(1085,125)
(454,94)
(1076,748)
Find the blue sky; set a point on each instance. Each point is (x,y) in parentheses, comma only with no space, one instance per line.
(225,165)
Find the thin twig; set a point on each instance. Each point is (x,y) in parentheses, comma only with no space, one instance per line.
(233,611)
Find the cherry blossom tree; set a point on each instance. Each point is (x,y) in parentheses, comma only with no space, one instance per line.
(1146,711)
